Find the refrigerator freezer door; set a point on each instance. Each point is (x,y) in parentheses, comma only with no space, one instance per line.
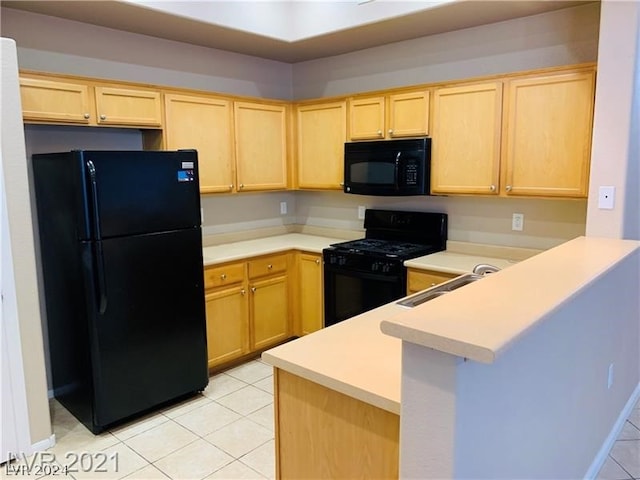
(140,192)
(150,342)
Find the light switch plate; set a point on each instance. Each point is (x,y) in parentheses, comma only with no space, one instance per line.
(606,197)
(283,208)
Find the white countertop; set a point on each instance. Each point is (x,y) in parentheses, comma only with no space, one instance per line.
(354,357)
(456,263)
(478,321)
(262,246)
(482,319)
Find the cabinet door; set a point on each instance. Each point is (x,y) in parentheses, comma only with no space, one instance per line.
(408,114)
(227,325)
(53,101)
(310,284)
(269,311)
(128,107)
(418,280)
(322,131)
(203,124)
(261,146)
(548,135)
(366,118)
(465,153)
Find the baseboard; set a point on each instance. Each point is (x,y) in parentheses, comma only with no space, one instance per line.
(601,457)
(44,444)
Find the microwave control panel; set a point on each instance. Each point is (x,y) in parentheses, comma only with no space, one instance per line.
(411,174)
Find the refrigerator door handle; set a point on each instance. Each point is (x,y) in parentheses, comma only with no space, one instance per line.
(101,278)
(101,282)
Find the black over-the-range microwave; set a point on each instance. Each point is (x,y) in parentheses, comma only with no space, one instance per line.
(388,167)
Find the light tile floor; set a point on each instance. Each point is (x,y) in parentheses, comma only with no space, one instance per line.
(623,462)
(225,433)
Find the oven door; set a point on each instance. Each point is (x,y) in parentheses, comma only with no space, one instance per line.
(348,293)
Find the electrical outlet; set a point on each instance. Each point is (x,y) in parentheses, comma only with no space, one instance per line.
(517,222)
(610,376)
(283,208)
(361,210)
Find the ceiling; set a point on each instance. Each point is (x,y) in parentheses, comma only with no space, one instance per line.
(153,22)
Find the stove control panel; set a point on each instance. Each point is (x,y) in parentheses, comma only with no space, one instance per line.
(359,262)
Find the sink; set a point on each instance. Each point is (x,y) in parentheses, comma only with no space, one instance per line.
(439,290)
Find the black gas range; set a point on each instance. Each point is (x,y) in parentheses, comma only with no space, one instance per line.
(360,275)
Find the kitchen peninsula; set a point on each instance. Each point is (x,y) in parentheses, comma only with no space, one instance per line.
(528,331)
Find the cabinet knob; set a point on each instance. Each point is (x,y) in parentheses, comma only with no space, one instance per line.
(492,188)
(269,266)
(390,132)
(103,117)
(241,185)
(253,289)
(379,133)
(223,276)
(508,188)
(243,292)
(317,261)
(87,116)
(433,284)
(342,184)
(231,187)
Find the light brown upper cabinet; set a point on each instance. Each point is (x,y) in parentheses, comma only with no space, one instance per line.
(321,132)
(547,136)
(55,101)
(389,116)
(65,101)
(261,146)
(465,150)
(128,107)
(204,124)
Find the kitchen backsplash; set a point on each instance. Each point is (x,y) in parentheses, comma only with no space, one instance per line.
(547,223)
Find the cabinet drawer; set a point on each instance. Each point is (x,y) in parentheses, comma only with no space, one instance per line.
(267,266)
(224,275)
(421,280)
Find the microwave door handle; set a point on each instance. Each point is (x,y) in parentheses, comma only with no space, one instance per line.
(397,169)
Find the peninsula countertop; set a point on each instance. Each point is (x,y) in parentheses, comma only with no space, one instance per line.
(478,322)
(484,318)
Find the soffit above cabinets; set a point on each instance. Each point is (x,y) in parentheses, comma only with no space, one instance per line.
(296,43)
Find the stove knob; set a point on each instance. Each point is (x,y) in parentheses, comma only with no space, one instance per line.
(386,267)
(375,267)
(342,260)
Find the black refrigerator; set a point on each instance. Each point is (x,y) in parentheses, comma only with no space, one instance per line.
(121,263)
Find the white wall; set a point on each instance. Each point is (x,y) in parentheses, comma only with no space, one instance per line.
(543,409)
(51,44)
(615,158)
(562,37)
(25,314)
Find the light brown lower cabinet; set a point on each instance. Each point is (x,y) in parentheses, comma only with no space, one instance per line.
(418,280)
(310,292)
(324,434)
